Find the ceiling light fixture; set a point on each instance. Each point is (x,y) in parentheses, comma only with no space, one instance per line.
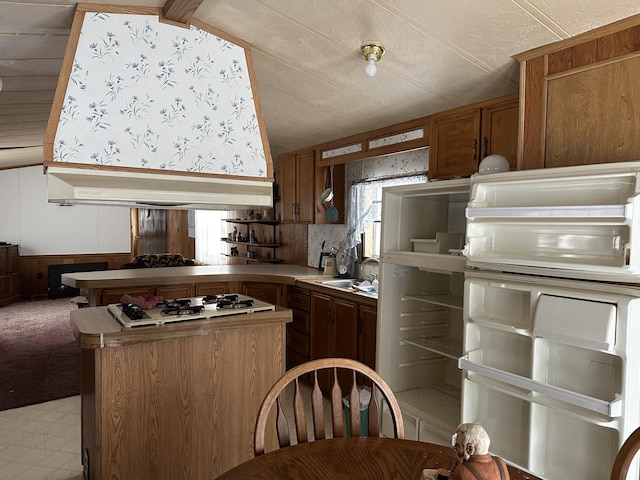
(372,53)
(0,84)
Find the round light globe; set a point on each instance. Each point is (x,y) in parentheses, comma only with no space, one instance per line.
(493,164)
(371,68)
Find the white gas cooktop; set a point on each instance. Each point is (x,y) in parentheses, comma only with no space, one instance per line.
(187,309)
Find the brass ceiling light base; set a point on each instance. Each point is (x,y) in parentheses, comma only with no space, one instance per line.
(372,48)
(372,53)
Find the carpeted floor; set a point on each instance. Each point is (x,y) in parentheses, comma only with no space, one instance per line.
(39,357)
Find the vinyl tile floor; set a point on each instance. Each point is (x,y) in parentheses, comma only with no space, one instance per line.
(41,442)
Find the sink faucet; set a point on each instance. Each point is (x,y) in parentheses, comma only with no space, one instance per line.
(359,265)
(370,260)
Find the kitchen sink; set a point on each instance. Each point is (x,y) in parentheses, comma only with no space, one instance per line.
(340,283)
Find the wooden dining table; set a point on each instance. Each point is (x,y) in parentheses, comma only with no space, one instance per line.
(355,458)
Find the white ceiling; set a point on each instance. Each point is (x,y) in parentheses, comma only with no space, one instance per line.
(312,86)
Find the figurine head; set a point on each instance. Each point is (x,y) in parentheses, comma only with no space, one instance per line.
(471,439)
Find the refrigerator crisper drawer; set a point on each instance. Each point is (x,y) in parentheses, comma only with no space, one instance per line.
(581,220)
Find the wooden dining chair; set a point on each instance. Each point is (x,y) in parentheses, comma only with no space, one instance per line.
(625,455)
(276,396)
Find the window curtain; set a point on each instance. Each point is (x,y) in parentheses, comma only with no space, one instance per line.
(365,204)
(210,229)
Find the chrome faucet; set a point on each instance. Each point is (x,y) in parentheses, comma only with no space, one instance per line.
(359,265)
(370,260)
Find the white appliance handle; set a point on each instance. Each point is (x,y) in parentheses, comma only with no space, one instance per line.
(612,409)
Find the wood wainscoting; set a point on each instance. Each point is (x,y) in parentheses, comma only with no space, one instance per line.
(34,269)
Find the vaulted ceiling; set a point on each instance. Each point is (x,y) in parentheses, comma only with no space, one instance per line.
(312,85)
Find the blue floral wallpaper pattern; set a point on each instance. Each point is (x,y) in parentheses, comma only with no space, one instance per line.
(151,95)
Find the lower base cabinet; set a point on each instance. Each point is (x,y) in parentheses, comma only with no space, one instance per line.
(334,333)
(267,292)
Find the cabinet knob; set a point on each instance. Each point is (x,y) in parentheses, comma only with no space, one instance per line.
(475,148)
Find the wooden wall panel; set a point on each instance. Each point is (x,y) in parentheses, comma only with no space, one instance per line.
(530,154)
(34,269)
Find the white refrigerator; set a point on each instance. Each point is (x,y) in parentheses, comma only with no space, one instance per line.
(513,300)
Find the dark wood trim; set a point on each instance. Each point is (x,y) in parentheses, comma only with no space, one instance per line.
(180,11)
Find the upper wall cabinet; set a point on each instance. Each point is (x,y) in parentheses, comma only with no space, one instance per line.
(462,137)
(581,98)
(297,186)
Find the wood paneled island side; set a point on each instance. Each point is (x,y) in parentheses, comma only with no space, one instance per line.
(176,401)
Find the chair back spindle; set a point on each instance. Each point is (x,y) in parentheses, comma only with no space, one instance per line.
(276,395)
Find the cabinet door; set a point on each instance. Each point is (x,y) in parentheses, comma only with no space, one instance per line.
(4,286)
(175,291)
(113,295)
(297,184)
(321,326)
(267,292)
(345,335)
(455,148)
(203,289)
(14,284)
(367,336)
(306,187)
(4,259)
(500,131)
(13,259)
(288,195)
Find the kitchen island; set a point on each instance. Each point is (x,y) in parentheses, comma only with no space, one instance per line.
(175,401)
(107,286)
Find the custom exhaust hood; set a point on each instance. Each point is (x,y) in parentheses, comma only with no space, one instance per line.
(152,190)
(150,113)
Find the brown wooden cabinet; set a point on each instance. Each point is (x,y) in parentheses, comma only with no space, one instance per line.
(215,288)
(267,292)
(297,185)
(462,137)
(334,333)
(170,292)
(9,274)
(298,331)
(367,327)
(113,295)
(581,99)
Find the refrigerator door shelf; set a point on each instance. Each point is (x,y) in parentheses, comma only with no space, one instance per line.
(612,408)
(603,213)
(576,222)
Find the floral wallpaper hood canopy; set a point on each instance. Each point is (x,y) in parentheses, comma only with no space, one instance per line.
(152,113)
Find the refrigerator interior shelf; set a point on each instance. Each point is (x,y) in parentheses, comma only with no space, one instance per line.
(586,212)
(611,408)
(444,345)
(444,300)
(438,404)
(499,324)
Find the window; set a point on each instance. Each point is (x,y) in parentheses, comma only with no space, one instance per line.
(210,229)
(365,212)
